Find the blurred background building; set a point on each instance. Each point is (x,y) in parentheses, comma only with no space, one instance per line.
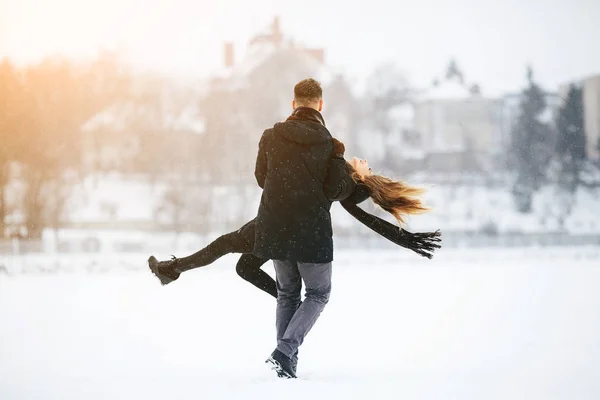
(135,151)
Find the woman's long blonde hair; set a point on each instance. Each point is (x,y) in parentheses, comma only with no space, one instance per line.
(395,197)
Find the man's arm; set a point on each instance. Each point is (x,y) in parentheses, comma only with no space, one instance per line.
(338,185)
(260,171)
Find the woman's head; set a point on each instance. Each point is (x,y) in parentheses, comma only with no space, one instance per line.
(361,167)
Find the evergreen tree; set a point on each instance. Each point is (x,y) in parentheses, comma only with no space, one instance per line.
(530,144)
(571,139)
(452,71)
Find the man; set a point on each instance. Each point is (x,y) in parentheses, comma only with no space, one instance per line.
(300,176)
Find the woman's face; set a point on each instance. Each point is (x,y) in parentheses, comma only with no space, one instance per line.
(361,166)
(358,163)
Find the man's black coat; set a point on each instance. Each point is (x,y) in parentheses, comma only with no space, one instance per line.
(300,177)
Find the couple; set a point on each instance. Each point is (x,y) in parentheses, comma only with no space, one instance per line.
(302,170)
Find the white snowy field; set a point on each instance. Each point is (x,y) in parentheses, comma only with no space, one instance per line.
(490,324)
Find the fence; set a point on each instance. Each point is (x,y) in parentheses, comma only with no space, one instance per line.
(90,254)
(148,243)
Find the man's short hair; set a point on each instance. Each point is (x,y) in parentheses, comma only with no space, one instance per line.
(308,91)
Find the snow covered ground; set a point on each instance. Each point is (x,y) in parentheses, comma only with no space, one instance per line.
(488,324)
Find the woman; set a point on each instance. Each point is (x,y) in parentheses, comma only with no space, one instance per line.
(394,197)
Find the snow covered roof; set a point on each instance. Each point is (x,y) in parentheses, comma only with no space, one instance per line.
(173,106)
(402,112)
(413,153)
(187,121)
(448,90)
(116,117)
(112,116)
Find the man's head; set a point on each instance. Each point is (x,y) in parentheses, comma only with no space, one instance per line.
(308,93)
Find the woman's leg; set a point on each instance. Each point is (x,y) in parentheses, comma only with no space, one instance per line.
(229,243)
(248,267)
(168,271)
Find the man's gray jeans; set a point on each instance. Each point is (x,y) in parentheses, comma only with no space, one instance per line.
(296,318)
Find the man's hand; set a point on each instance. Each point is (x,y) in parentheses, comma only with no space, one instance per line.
(338,148)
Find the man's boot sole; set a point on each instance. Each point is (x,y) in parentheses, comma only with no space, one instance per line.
(276,366)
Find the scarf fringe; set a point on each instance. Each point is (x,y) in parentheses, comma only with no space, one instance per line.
(422,243)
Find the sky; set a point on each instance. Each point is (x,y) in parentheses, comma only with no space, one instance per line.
(492,41)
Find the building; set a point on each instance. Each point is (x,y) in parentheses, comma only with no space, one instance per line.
(591,109)
(254,91)
(261,49)
(162,119)
(454,123)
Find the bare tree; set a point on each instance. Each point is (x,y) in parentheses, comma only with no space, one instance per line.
(12,117)
(61,96)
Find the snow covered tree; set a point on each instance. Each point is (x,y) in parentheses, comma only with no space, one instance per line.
(475,89)
(387,88)
(571,139)
(531,144)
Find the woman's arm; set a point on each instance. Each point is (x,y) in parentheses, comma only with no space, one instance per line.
(422,243)
(360,194)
